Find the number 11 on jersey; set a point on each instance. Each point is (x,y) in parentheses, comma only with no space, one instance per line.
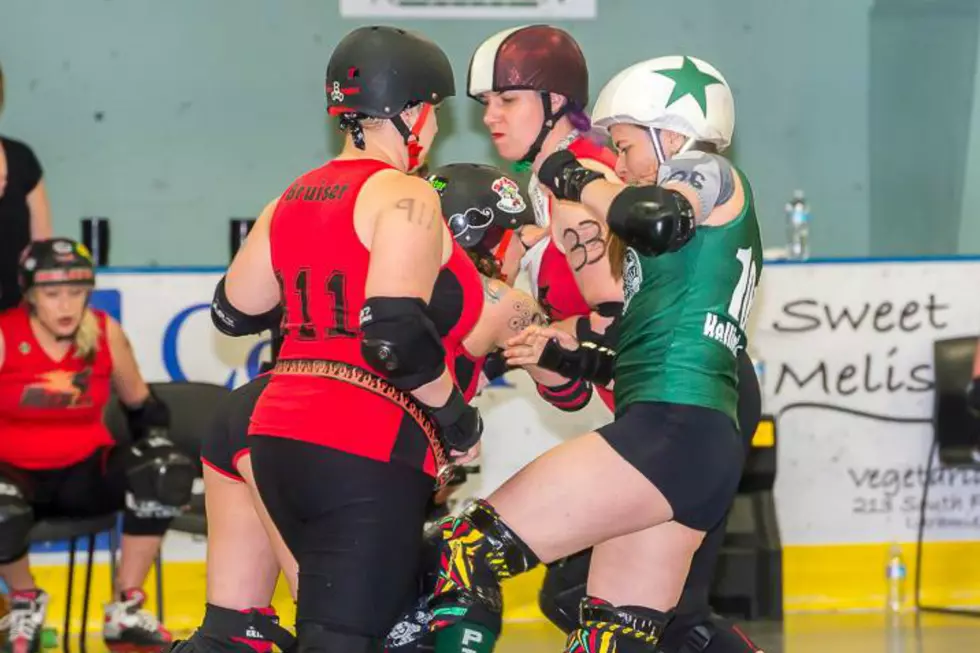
(310,316)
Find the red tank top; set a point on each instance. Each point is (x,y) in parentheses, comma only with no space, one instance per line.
(558,292)
(322,269)
(50,411)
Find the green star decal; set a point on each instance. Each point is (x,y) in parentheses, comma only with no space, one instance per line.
(689,80)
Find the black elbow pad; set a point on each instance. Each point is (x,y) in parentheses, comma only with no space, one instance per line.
(232,322)
(651,219)
(400,341)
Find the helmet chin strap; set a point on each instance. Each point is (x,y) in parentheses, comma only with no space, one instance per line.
(501,251)
(658,146)
(661,151)
(411,136)
(550,120)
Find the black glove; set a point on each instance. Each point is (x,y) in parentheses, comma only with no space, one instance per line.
(590,361)
(973,396)
(564,176)
(495,365)
(151,418)
(459,423)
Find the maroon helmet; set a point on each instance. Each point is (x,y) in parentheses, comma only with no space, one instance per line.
(537,57)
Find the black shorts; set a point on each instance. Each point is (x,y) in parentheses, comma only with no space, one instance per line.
(94,486)
(354,526)
(692,454)
(227,438)
(565,581)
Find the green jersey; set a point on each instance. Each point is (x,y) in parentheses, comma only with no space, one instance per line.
(685,315)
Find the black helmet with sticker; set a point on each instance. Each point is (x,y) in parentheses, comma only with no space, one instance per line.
(378,71)
(480,203)
(56,261)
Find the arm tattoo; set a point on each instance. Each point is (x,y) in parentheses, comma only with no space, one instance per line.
(584,245)
(491,289)
(525,314)
(417,212)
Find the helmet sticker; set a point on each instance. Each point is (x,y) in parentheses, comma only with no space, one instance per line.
(510,195)
(439,183)
(472,218)
(689,80)
(82,251)
(61,247)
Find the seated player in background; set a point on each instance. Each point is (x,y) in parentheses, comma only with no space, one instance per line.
(58,359)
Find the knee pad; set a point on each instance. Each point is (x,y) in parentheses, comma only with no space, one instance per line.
(482,552)
(608,629)
(160,477)
(16,520)
(430,559)
(563,590)
(317,638)
(478,551)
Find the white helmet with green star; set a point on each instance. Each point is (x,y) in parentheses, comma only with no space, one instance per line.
(675,93)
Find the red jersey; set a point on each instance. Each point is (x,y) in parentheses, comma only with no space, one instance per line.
(50,411)
(557,291)
(322,269)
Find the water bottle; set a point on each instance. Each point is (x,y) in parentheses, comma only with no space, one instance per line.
(798,227)
(895,577)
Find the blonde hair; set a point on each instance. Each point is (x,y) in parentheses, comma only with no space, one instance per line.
(87,336)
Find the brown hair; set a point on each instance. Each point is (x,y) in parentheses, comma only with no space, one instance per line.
(617,254)
(485,264)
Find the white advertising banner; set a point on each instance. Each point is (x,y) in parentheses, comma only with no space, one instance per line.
(469,9)
(845,355)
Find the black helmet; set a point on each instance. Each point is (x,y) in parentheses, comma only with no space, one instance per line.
(480,203)
(379,71)
(56,261)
